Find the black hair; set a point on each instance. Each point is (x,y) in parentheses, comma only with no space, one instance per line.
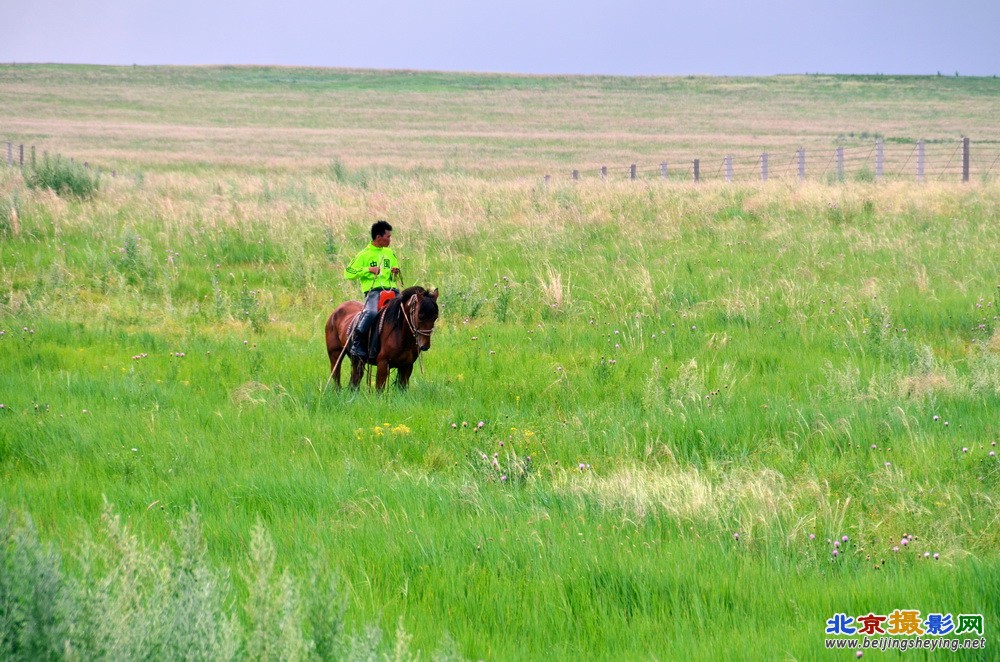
(379,228)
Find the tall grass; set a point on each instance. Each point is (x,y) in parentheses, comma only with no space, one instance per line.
(650,411)
(640,403)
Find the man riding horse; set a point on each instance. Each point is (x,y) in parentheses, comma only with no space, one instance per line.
(376,269)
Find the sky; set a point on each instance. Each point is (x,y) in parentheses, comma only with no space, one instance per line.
(637,37)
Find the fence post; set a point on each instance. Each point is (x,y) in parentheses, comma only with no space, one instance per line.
(920,160)
(576,174)
(10,153)
(697,170)
(729,167)
(632,171)
(840,164)
(763,167)
(663,169)
(32,156)
(604,172)
(20,149)
(547,178)
(879,158)
(802,163)
(966,160)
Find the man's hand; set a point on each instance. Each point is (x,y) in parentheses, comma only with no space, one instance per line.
(374,270)
(395,271)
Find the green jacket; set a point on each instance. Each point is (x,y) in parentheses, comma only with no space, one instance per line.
(372,256)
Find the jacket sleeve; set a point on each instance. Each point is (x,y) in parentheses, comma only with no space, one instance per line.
(358,266)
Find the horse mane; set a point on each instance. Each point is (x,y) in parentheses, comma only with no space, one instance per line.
(394,309)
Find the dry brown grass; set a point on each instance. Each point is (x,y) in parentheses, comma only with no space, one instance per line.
(259,118)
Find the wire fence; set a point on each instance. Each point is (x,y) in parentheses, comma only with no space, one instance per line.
(26,156)
(919,160)
(944,161)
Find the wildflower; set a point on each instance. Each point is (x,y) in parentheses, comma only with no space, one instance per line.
(927,555)
(905,541)
(845,539)
(895,549)
(503,478)
(812,536)
(736,536)
(888,464)
(454,426)
(465,424)
(946,423)
(874,447)
(836,543)
(836,553)
(936,556)
(860,654)
(965,449)
(993,454)
(401,429)
(936,418)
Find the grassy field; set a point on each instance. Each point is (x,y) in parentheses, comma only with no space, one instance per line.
(266,120)
(649,411)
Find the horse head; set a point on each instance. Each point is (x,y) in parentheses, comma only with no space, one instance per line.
(421,312)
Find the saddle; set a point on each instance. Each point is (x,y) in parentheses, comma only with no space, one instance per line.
(372,341)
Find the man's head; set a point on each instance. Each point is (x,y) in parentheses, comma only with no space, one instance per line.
(381,233)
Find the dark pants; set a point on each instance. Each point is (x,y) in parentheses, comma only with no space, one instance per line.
(368,313)
(365,319)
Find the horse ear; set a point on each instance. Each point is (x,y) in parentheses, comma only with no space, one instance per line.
(434,294)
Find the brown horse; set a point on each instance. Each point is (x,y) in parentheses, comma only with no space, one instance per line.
(403,327)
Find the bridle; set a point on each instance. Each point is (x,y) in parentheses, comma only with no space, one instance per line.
(413,314)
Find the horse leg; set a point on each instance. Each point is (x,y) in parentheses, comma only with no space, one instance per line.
(357,372)
(381,375)
(337,363)
(403,376)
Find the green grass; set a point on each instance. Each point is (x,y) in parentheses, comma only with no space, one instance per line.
(680,365)
(719,361)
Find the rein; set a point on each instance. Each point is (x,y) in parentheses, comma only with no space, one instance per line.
(413,328)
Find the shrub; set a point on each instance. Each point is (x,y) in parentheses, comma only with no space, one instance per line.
(34,600)
(63,176)
(132,600)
